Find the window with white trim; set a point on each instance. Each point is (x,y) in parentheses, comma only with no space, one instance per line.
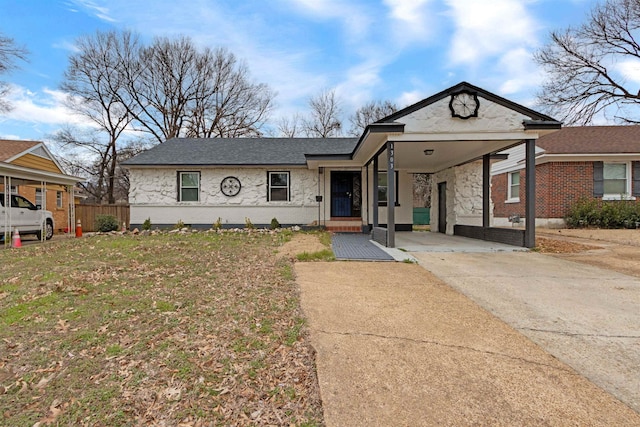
(188,186)
(39,198)
(59,199)
(383,188)
(616,180)
(513,187)
(278,186)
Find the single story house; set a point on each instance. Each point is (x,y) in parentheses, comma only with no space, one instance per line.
(347,184)
(601,162)
(28,168)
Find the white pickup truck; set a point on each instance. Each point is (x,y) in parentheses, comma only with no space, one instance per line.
(26,217)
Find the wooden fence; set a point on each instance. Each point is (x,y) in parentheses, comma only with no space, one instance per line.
(87,214)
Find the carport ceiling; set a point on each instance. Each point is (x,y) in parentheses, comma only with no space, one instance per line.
(410,155)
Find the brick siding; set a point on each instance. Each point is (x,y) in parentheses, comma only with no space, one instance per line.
(558,185)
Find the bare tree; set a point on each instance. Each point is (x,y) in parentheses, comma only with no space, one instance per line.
(227,104)
(290,128)
(584,66)
(369,113)
(95,85)
(324,117)
(9,54)
(86,155)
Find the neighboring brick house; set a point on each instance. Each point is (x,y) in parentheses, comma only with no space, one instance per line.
(35,155)
(602,162)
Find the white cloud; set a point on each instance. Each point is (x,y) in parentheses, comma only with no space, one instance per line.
(409,98)
(630,69)
(483,30)
(100,12)
(410,19)
(41,108)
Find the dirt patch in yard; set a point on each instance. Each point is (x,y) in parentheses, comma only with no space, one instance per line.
(617,250)
(301,243)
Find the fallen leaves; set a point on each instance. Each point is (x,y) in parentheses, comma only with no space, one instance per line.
(160,330)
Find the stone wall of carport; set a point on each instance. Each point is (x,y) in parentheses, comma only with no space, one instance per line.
(464,196)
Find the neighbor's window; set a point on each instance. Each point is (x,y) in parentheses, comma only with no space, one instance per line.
(189,183)
(278,188)
(513,188)
(615,177)
(383,189)
(39,198)
(59,199)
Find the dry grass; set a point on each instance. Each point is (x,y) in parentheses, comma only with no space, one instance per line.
(191,330)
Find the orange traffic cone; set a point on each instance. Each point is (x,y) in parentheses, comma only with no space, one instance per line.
(16,242)
(78,229)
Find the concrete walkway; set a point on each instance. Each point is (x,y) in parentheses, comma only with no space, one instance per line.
(587,317)
(397,346)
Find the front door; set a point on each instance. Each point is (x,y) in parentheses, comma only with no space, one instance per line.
(442,207)
(346,194)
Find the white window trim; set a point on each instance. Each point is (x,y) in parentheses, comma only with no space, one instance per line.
(627,195)
(59,199)
(270,187)
(180,186)
(510,198)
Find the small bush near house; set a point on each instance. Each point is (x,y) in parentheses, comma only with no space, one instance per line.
(179,225)
(603,214)
(248,224)
(106,223)
(218,224)
(146,225)
(274,224)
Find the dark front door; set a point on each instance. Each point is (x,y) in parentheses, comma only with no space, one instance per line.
(346,194)
(442,207)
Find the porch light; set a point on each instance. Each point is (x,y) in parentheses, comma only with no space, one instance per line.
(428,151)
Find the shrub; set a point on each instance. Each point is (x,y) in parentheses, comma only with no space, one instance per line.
(218,224)
(605,214)
(106,223)
(146,225)
(179,225)
(274,224)
(248,224)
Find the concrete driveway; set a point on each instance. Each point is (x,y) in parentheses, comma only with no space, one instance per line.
(397,346)
(587,317)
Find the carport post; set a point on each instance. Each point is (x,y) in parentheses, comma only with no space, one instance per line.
(530,191)
(391,196)
(486,196)
(375,191)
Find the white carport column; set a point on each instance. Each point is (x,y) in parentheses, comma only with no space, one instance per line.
(530,191)
(391,195)
(486,190)
(375,192)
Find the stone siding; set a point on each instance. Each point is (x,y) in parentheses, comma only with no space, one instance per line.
(154,192)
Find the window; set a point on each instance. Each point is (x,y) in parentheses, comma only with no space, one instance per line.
(513,188)
(189,186)
(59,199)
(39,198)
(615,179)
(14,189)
(383,187)
(278,186)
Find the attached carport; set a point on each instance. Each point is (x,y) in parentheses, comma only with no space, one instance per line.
(462,125)
(13,175)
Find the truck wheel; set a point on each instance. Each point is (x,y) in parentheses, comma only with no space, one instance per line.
(48,231)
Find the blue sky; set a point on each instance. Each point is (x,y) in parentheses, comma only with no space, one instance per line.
(400,50)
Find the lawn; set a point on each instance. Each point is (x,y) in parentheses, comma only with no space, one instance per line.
(190,329)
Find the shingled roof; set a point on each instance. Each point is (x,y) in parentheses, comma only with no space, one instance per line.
(592,140)
(10,148)
(240,151)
